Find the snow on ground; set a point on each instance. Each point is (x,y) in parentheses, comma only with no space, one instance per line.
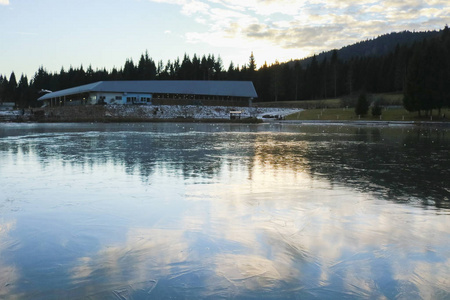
(7,115)
(152,112)
(10,112)
(196,112)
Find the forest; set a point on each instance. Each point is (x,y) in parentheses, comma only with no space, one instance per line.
(415,64)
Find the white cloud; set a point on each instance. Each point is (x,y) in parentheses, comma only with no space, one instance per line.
(195,7)
(312,26)
(4,2)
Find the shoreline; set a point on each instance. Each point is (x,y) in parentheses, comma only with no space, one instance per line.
(364,123)
(181,114)
(144,113)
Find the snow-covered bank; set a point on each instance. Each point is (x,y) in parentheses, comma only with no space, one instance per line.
(9,115)
(196,112)
(141,113)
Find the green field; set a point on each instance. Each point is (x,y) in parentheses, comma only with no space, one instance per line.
(388,114)
(343,109)
(305,104)
(386,99)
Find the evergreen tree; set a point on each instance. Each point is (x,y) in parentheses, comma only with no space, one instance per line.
(63,79)
(421,71)
(23,92)
(252,63)
(197,72)
(130,71)
(218,68)
(204,67)
(334,67)
(313,79)
(115,74)
(3,88)
(263,83)
(288,83)
(187,71)
(324,71)
(160,70)
(41,79)
(233,72)
(146,68)
(427,79)
(11,89)
(276,82)
(297,75)
(89,75)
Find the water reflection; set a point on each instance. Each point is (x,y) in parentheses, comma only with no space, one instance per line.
(223,211)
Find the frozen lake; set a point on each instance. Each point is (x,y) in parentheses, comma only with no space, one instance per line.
(195,211)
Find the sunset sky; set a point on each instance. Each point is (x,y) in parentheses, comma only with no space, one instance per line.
(104,33)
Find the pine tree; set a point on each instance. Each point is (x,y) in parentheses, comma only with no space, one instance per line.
(23,91)
(334,66)
(11,89)
(3,88)
(218,68)
(297,74)
(252,63)
(313,78)
(146,68)
(130,72)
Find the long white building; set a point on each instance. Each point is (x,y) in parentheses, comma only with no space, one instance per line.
(151,92)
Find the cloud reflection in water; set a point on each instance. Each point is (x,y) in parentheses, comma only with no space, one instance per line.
(201,211)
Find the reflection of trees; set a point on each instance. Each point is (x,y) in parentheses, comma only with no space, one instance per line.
(233,242)
(176,148)
(8,273)
(402,164)
(282,152)
(404,169)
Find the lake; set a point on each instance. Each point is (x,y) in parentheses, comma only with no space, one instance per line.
(208,211)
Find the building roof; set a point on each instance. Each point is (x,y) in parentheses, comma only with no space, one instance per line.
(187,87)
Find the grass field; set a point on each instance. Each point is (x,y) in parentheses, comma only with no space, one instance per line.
(306,104)
(343,109)
(389,114)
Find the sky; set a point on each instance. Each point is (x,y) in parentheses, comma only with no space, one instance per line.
(58,34)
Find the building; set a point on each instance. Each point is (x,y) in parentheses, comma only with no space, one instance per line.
(169,92)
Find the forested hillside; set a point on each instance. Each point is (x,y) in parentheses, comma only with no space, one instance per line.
(416,63)
(379,46)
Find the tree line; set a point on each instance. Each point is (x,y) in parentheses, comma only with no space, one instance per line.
(24,92)
(421,70)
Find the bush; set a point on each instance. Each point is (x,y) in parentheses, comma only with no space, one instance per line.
(362,105)
(376,109)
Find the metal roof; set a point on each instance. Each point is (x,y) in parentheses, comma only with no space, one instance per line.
(189,87)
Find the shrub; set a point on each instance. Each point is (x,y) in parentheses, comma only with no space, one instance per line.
(362,105)
(376,109)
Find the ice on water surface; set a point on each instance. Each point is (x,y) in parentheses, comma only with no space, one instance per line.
(144,211)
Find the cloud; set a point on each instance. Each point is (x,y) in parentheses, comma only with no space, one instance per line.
(312,26)
(4,2)
(9,274)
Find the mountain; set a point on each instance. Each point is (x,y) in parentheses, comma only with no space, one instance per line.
(379,46)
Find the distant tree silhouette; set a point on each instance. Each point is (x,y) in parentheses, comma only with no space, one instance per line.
(396,62)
